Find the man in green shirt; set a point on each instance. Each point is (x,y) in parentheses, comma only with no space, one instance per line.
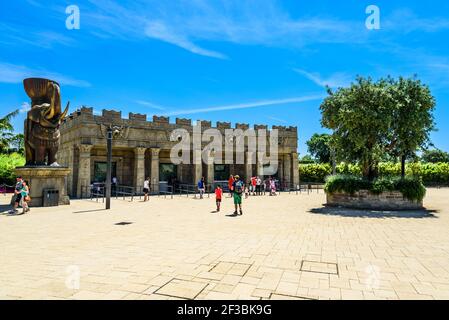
(238,187)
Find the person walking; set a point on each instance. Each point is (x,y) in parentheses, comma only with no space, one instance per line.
(146,189)
(272,187)
(17,197)
(218,196)
(201,187)
(238,187)
(258,185)
(231,185)
(253,185)
(25,195)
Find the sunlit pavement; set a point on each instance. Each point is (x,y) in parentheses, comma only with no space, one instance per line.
(283,247)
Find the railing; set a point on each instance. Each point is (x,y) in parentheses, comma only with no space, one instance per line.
(155,189)
(4,188)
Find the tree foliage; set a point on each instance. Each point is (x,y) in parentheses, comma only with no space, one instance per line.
(10,142)
(434,156)
(371,119)
(319,147)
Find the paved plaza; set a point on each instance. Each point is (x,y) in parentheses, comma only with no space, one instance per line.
(283,247)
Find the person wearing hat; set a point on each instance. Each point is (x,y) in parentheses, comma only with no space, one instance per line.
(238,187)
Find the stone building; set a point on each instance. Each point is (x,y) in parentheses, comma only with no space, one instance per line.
(143,150)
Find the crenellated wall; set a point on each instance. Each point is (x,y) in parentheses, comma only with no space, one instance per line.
(91,126)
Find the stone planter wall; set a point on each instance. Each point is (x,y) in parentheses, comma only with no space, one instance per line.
(364,199)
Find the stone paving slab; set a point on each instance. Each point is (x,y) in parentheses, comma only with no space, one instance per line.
(283,247)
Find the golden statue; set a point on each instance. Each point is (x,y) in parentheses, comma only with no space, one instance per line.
(43,120)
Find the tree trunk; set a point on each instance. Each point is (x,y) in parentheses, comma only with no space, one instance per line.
(403,166)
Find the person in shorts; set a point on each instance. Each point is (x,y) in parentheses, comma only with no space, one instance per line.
(146,189)
(25,195)
(238,188)
(201,187)
(231,185)
(218,196)
(17,195)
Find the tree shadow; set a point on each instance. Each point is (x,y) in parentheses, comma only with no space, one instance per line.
(366,213)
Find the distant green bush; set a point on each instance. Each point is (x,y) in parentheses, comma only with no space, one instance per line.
(411,188)
(430,173)
(7,164)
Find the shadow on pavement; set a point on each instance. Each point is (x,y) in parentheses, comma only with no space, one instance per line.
(86,211)
(359,213)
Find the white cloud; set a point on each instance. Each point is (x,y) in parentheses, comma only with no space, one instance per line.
(24,107)
(11,73)
(158,30)
(247,105)
(150,104)
(187,23)
(405,21)
(277,119)
(336,80)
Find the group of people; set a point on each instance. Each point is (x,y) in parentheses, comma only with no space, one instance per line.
(237,188)
(256,186)
(21,196)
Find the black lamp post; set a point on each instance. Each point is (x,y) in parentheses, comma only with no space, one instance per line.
(109,168)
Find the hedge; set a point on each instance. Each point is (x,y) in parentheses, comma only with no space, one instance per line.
(7,164)
(430,173)
(411,187)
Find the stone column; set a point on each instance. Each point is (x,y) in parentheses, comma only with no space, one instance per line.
(155,169)
(139,167)
(295,169)
(260,165)
(249,167)
(197,166)
(210,170)
(287,164)
(84,178)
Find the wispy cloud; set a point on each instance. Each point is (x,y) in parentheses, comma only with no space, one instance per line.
(24,107)
(263,103)
(17,34)
(406,21)
(195,25)
(277,119)
(11,73)
(336,80)
(159,30)
(150,105)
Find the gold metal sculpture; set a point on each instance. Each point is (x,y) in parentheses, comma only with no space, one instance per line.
(42,122)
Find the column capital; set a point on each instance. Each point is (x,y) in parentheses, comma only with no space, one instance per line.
(155,151)
(140,151)
(84,148)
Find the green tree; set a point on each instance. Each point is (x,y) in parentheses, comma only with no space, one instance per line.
(306,159)
(6,128)
(360,117)
(435,156)
(17,144)
(412,105)
(318,146)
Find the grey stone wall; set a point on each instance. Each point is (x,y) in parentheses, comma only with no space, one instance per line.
(364,199)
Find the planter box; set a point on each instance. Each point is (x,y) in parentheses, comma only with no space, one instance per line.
(364,199)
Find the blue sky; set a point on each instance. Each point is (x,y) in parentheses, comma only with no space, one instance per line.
(240,61)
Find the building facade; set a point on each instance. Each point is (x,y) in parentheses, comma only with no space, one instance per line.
(142,149)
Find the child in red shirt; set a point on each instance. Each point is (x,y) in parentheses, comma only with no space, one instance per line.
(218,195)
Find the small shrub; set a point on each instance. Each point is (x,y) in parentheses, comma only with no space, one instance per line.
(411,188)
(345,183)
